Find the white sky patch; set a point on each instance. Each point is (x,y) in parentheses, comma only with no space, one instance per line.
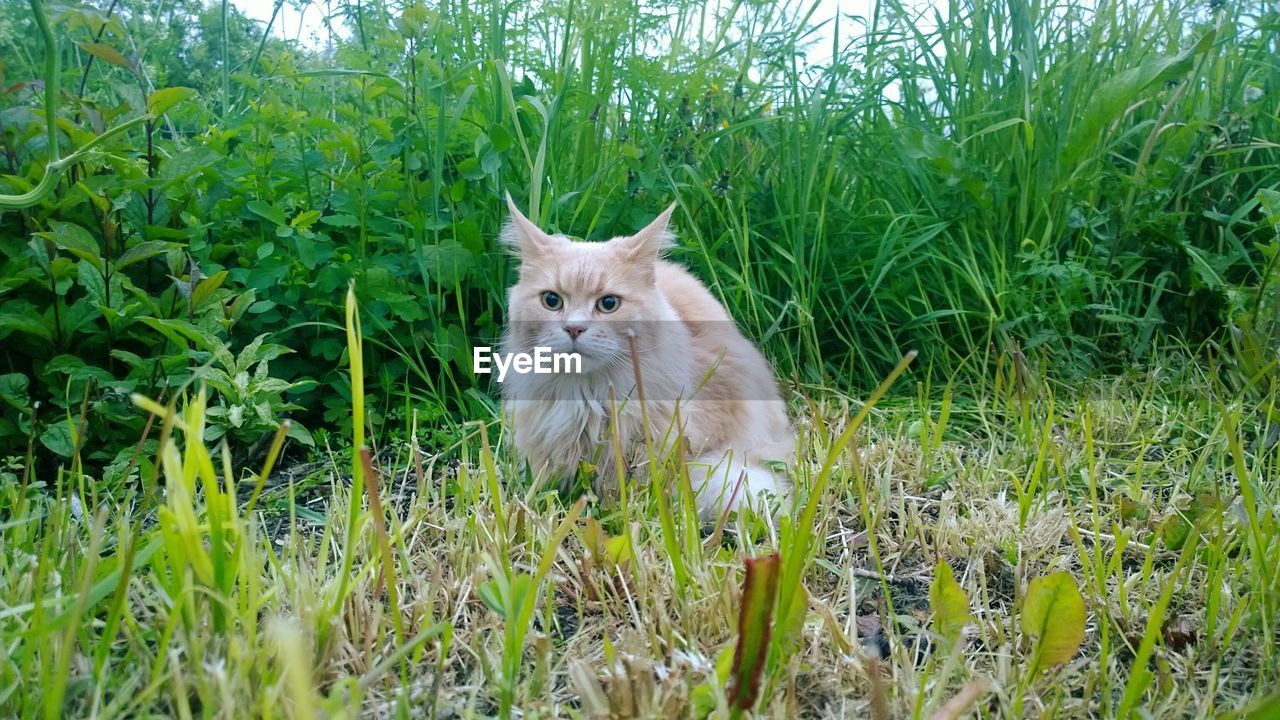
(854,21)
(820,51)
(304,21)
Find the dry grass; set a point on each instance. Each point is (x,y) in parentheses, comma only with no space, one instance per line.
(1127,470)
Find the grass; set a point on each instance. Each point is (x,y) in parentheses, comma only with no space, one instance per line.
(454,588)
(1070,178)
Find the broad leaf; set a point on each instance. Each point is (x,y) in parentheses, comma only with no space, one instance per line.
(265,210)
(305,219)
(159,102)
(180,332)
(609,551)
(206,287)
(57,437)
(140,252)
(446,263)
(29,323)
(341,220)
(107,54)
(949,603)
(1053,613)
(94,286)
(13,390)
(75,240)
(1113,96)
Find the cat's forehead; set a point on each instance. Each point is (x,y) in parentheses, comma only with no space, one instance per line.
(584,266)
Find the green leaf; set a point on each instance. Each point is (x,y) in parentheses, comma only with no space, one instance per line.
(57,437)
(341,220)
(506,598)
(206,287)
(501,139)
(609,551)
(186,163)
(755,624)
(159,102)
(13,390)
(258,350)
(106,54)
(1270,202)
(1053,613)
(446,263)
(470,169)
(949,603)
(241,304)
(265,210)
(141,251)
(182,332)
(91,280)
(1113,96)
(75,240)
(300,433)
(305,219)
(311,253)
(28,323)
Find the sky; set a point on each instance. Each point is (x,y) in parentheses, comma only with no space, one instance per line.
(307,26)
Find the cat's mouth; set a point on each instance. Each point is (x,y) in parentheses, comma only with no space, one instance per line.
(595,354)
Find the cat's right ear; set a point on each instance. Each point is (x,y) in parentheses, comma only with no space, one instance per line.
(522,236)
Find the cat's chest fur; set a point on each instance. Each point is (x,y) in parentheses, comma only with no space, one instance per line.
(562,420)
(571,423)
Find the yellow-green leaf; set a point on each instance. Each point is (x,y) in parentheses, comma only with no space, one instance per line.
(305,219)
(1054,614)
(159,102)
(609,551)
(949,603)
(206,287)
(106,53)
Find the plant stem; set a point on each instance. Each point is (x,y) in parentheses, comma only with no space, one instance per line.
(52,79)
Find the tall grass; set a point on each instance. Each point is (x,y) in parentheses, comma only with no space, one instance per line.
(1073,180)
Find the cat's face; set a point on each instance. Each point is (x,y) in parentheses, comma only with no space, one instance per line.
(584,297)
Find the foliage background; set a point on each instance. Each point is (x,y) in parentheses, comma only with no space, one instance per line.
(1076,183)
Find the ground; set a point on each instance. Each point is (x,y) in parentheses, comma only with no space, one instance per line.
(500,605)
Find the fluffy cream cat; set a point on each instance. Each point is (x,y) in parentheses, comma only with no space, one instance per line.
(695,366)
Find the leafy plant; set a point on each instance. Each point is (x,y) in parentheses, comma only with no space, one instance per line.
(949,603)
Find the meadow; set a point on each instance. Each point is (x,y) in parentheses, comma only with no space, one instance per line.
(1015,263)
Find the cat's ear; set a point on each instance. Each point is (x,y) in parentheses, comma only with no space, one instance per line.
(521,235)
(647,244)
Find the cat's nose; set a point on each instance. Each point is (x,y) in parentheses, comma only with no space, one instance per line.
(574,331)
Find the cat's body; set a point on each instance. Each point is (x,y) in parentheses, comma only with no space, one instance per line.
(694,363)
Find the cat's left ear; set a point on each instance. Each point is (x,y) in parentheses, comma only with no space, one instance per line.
(527,239)
(648,243)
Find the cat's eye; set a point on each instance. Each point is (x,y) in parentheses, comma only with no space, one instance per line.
(551,300)
(608,303)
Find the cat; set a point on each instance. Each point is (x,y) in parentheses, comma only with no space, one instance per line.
(705,386)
